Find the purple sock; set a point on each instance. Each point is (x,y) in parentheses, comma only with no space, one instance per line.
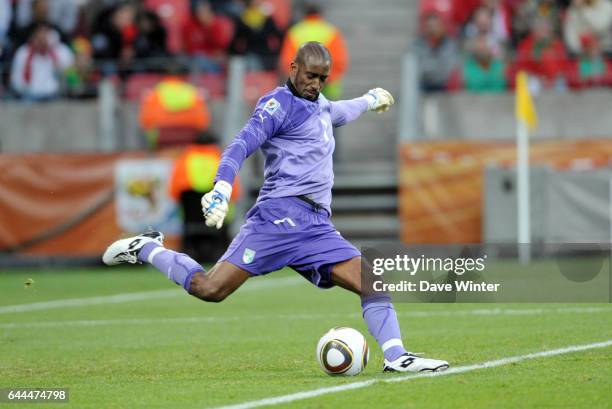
(379,314)
(178,267)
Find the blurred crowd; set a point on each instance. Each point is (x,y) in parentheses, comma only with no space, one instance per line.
(53,47)
(479,45)
(64,47)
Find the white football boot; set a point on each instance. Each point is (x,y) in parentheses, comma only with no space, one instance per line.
(411,363)
(126,250)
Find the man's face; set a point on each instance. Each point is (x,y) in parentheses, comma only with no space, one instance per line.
(434,27)
(542,30)
(124,16)
(309,78)
(40,10)
(482,20)
(40,39)
(204,13)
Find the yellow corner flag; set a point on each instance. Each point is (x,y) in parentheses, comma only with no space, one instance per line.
(525,110)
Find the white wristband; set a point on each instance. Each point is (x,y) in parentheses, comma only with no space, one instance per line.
(224,188)
(371,100)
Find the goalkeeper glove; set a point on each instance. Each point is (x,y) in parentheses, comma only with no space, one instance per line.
(379,100)
(215,204)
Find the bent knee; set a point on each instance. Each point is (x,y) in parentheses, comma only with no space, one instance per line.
(205,290)
(213,295)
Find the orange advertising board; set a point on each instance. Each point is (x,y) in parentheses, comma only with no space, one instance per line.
(441,182)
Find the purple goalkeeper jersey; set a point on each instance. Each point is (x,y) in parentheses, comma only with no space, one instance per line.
(297,140)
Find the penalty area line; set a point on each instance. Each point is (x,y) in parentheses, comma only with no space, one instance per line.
(277,400)
(225,319)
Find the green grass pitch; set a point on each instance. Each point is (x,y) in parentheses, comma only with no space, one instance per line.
(169,350)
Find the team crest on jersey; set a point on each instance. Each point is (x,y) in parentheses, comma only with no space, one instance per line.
(271,106)
(248,256)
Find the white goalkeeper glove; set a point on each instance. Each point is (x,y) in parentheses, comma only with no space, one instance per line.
(379,100)
(216,203)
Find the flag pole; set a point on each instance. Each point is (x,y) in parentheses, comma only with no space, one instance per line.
(523,192)
(526,119)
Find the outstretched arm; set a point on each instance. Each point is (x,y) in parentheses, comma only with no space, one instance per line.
(345,111)
(377,99)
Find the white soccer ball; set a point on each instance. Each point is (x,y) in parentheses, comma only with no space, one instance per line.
(343,351)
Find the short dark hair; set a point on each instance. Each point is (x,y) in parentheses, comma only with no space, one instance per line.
(312,49)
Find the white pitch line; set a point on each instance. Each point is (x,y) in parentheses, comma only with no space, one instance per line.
(505,361)
(505,311)
(223,319)
(138,296)
(81,302)
(277,400)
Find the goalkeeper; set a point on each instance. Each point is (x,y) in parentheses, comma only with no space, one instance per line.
(289,225)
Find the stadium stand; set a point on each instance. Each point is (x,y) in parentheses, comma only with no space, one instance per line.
(546,39)
(120,40)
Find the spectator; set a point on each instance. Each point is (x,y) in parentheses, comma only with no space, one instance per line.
(589,17)
(591,68)
(93,9)
(37,65)
(173,103)
(150,41)
(543,54)
(501,19)
(527,11)
(437,53)
(257,37)
(206,37)
(482,70)
(114,35)
(481,25)
(314,28)
(62,14)
(80,77)
(38,14)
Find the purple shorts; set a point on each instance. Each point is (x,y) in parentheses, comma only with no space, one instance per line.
(289,232)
